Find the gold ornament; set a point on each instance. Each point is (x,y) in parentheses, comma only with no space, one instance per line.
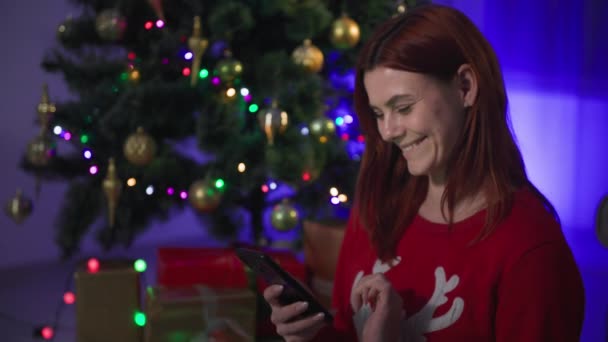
(112,187)
(322,128)
(110,25)
(204,196)
(197,45)
(273,121)
(157,6)
(229,68)
(309,56)
(19,207)
(40,150)
(284,216)
(45,108)
(139,148)
(344,32)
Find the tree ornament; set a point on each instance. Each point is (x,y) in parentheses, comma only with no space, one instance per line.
(19,207)
(344,32)
(204,196)
(322,128)
(229,68)
(139,148)
(197,45)
(40,150)
(46,109)
(284,216)
(157,6)
(110,25)
(66,31)
(273,121)
(309,56)
(112,187)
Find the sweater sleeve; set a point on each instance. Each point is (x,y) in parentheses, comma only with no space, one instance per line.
(541,297)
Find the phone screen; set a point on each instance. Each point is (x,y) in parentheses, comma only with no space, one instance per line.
(273,274)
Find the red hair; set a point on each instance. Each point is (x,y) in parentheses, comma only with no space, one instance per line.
(436,40)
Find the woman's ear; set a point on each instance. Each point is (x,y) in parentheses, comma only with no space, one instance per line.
(467,84)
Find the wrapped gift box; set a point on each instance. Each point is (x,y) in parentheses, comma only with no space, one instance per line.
(215,267)
(200,314)
(107,300)
(322,243)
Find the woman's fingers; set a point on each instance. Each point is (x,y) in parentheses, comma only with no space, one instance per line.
(370,289)
(310,324)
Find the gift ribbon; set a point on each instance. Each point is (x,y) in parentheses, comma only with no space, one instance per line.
(214,322)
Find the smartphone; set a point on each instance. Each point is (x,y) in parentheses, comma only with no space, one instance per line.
(273,274)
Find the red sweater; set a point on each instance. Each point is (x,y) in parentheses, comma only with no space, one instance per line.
(519,284)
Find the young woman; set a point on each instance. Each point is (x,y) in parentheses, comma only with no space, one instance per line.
(449,240)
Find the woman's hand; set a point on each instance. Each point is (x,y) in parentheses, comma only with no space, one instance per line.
(291,327)
(385,321)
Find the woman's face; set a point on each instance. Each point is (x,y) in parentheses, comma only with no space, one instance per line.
(423,116)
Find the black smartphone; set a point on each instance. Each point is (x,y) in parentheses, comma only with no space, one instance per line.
(273,274)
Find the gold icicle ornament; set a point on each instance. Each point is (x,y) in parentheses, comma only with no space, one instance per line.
(45,108)
(273,121)
(112,187)
(197,45)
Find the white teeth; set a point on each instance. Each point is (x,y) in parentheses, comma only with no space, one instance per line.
(411,146)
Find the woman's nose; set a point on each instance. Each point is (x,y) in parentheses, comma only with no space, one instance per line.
(390,128)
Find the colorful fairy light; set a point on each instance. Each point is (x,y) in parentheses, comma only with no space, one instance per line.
(84,138)
(93,265)
(87,154)
(335,200)
(216,81)
(348,119)
(170,191)
(265,188)
(343,198)
(306,176)
(140,265)
(131,56)
(188,55)
(248,98)
(360,138)
(345,136)
(273,186)
(47,333)
(139,318)
(93,169)
(149,190)
(67,136)
(304,131)
(253,108)
(69,298)
(203,73)
(160,23)
(230,92)
(148,25)
(241,167)
(131,182)
(57,130)
(186,71)
(244,91)
(183,195)
(334,192)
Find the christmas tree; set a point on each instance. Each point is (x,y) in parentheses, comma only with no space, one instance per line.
(208,104)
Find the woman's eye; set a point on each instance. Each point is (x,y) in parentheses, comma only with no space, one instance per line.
(404,110)
(378,115)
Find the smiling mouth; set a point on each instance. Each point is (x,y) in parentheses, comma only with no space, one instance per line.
(413,144)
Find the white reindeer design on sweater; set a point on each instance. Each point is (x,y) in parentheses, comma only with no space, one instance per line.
(415,326)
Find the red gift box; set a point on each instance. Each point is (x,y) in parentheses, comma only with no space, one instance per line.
(215,267)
